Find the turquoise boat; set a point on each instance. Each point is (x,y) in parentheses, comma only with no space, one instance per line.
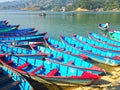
(102,39)
(108,58)
(36,37)
(96,44)
(114,35)
(57,46)
(16,34)
(58,57)
(47,70)
(11,80)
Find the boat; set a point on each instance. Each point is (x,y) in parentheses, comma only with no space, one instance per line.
(101,26)
(3,30)
(16,34)
(20,51)
(61,47)
(3,27)
(108,58)
(113,34)
(46,53)
(53,72)
(102,39)
(96,44)
(22,30)
(25,44)
(90,48)
(64,52)
(36,37)
(3,22)
(11,80)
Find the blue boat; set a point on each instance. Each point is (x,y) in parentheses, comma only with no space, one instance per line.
(11,80)
(3,22)
(43,52)
(96,44)
(24,30)
(36,37)
(22,52)
(16,34)
(93,53)
(48,70)
(102,39)
(62,53)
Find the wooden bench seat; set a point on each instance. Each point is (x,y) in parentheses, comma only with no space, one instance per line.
(52,72)
(59,58)
(68,52)
(22,66)
(9,62)
(35,70)
(69,63)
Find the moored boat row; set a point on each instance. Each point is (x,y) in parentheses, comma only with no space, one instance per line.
(64,62)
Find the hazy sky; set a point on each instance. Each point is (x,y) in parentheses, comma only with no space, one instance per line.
(6,0)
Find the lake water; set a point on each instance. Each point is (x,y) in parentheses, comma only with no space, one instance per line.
(57,23)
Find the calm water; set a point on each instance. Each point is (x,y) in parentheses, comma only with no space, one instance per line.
(61,23)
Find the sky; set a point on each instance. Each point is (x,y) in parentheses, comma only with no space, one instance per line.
(6,0)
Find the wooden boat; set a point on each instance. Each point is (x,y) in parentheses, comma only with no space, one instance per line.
(114,35)
(22,30)
(105,40)
(26,44)
(11,80)
(16,34)
(46,53)
(22,52)
(61,47)
(16,50)
(93,53)
(79,61)
(3,27)
(36,37)
(47,70)
(3,22)
(96,44)
(90,48)
(101,26)
(3,30)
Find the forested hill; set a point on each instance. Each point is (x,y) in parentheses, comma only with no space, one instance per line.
(56,5)
(97,4)
(37,4)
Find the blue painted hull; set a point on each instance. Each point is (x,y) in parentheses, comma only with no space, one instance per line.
(13,77)
(48,70)
(95,56)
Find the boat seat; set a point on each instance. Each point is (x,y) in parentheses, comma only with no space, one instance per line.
(52,72)
(68,52)
(9,62)
(22,66)
(61,49)
(55,45)
(10,86)
(69,63)
(59,58)
(35,70)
